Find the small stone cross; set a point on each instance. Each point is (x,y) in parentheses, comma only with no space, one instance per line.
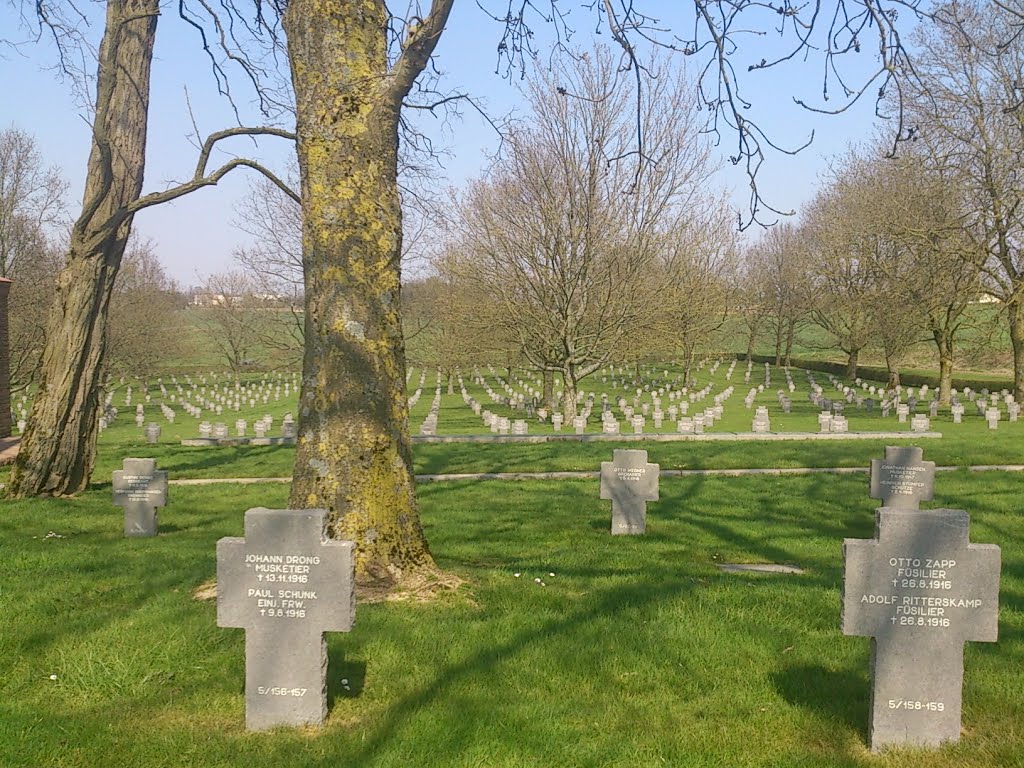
(902,479)
(920,589)
(286,584)
(139,488)
(630,482)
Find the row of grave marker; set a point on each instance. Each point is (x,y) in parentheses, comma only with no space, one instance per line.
(919,590)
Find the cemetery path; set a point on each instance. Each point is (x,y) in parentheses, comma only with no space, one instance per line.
(594,475)
(9,449)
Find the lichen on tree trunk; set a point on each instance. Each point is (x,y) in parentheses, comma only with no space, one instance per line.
(353,456)
(58,449)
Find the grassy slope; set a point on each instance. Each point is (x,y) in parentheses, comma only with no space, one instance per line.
(637,652)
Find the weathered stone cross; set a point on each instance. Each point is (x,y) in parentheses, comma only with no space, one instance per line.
(630,482)
(286,584)
(139,488)
(902,479)
(920,590)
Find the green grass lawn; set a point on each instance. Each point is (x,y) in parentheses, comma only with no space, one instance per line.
(637,651)
(962,444)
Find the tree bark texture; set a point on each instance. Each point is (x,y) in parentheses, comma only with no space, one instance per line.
(549,390)
(353,456)
(58,450)
(851,363)
(1015,308)
(944,344)
(568,394)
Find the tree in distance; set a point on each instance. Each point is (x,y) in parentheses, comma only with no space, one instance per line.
(569,253)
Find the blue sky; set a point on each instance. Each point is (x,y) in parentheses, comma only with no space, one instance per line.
(195,236)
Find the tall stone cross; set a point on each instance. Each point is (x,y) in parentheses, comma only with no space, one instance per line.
(630,482)
(139,488)
(920,589)
(286,584)
(902,479)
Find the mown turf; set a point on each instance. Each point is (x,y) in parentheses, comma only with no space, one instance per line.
(637,651)
(962,444)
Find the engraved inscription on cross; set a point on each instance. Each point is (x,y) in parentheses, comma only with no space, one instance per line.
(630,482)
(920,589)
(139,488)
(902,479)
(286,584)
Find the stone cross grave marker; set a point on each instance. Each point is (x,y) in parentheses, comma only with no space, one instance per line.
(919,589)
(285,584)
(139,488)
(630,482)
(902,479)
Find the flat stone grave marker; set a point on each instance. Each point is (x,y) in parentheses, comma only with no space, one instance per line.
(286,584)
(902,479)
(139,488)
(630,482)
(919,589)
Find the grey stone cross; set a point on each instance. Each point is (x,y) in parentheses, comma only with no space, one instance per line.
(920,589)
(902,479)
(286,584)
(630,482)
(139,488)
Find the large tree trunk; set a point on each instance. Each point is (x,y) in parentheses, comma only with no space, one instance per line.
(790,338)
(892,370)
(353,456)
(549,391)
(944,344)
(1016,309)
(58,450)
(568,394)
(851,363)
